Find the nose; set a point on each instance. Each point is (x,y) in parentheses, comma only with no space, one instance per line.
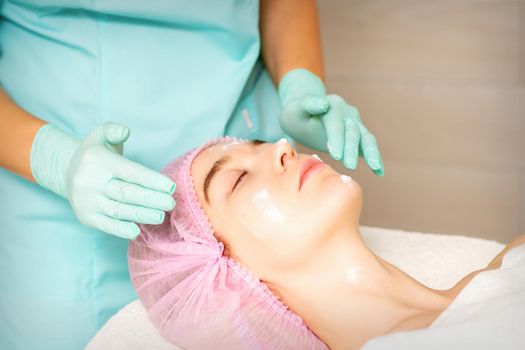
(283,153)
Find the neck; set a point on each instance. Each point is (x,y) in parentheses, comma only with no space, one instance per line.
(348,295)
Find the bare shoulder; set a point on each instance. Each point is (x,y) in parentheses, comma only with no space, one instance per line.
(494,264)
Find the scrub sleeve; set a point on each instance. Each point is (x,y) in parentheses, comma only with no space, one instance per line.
(177,73)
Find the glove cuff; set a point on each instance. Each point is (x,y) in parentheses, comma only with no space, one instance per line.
(50,156)
(299,82)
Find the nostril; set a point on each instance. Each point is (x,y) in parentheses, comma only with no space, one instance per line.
(282,159)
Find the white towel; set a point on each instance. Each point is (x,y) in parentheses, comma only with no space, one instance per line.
(436,260)
(488,314)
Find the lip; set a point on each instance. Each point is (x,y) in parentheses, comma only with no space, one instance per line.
(311,165)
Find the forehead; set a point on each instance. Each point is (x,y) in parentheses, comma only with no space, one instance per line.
(215,151)
(206,158)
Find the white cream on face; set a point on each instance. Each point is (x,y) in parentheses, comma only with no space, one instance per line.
(353,274)
(281,141)
(346,179)
(229,145)
(268,210)
(317,157)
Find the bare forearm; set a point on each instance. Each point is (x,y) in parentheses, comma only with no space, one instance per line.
(17,132)
(290,37)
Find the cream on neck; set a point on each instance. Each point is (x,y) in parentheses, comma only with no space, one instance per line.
(348,295)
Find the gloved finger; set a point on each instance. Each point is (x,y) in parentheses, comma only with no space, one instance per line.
(113,133)
(351,148)
(371,152)
(128,212)
(314,104)
(335,131)
(302,126)
(130,193)
(119,228)
(138,174)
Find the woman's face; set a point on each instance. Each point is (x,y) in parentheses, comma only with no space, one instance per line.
(257,209)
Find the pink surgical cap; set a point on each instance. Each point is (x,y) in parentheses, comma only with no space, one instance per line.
(197,297)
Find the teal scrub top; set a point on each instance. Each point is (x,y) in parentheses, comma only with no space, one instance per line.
(176,72)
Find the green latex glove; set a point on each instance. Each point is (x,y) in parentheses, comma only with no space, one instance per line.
(325,122)
(105,190)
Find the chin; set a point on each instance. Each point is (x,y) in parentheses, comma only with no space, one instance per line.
(344,199)
(334,200)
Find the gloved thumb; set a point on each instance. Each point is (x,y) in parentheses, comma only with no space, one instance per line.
(113,133)
(315,104)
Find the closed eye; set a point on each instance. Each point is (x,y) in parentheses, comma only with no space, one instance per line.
(239,180)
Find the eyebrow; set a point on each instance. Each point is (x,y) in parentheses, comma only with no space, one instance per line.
(219,165)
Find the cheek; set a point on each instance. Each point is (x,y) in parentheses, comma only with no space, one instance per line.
(266,222)
(332,204)
(268,230)
(264,214)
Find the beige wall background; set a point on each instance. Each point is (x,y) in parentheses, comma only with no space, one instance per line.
(441,84)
